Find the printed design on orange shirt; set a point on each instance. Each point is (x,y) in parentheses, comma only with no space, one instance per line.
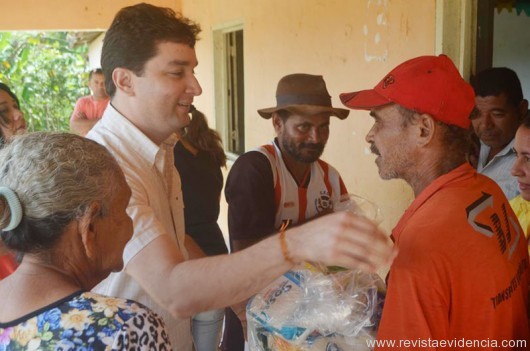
(502,227)
(323,202)
(506,293)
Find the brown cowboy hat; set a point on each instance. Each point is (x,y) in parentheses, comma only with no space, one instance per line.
(303,94)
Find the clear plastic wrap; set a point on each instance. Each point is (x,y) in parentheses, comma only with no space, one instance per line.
(307,309)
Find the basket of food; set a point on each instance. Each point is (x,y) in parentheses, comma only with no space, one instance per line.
(310,308)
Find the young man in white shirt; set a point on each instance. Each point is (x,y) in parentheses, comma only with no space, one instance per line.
(148,59)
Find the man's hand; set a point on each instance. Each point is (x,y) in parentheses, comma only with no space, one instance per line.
(82,126)
(80,115)
(341,239)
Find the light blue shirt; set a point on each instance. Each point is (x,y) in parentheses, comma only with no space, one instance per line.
(499,168)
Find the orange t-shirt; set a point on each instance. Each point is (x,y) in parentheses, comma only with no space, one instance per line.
(461,273)
(92,109)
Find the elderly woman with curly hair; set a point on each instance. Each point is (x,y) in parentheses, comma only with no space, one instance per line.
(62,204)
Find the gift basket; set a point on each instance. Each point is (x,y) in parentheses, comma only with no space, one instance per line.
(314,307)
(308,309)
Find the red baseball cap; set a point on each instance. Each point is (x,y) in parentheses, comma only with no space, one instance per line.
(426,84)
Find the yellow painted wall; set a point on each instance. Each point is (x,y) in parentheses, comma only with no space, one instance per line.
(65,14)
(352,43)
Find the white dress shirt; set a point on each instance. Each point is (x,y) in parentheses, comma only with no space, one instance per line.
(156,208)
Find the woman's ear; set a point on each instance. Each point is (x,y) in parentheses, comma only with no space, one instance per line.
(426,127)
(123,80)
(87,228)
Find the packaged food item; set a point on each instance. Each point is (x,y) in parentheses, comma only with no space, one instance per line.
(312,309)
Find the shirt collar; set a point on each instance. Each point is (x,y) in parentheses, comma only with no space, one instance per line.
(485,150)
(132,138)
(461,172)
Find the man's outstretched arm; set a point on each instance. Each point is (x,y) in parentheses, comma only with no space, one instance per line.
(187,287)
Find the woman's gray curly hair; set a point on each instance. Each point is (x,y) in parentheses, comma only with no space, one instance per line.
(56,176)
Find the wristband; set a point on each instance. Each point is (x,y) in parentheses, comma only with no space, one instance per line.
(283,244)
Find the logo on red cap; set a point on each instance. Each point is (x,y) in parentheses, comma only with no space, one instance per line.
(388,80)
(425,84)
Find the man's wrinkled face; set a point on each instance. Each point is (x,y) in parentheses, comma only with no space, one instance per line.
(303,137)
(391,142)
(496,121)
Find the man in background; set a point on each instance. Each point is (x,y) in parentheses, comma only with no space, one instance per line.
(89,109)
(501,108)
(284,182)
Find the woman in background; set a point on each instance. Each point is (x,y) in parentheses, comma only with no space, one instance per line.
(199,156)
(12,122)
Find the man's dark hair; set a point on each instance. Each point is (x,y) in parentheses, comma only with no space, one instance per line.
(497,80)
(457,141)
(94,71)
(134,34)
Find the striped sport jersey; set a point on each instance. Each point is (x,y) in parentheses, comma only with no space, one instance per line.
(294,203)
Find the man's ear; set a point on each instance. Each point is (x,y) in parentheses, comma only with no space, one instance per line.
(277,122)
(123,80)
(426,128)
(523,108)
(87,229)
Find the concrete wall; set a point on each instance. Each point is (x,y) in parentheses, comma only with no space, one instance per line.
(511,45)
(352,43)
(66,14)
(94,52)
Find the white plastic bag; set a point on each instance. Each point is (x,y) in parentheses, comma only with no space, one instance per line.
(307,309)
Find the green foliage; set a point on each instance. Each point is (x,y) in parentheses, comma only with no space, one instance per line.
(47,73)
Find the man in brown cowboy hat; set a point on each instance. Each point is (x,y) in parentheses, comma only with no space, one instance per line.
(284,182)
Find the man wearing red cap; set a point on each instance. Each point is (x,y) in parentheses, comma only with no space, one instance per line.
(461,274)
(284,182)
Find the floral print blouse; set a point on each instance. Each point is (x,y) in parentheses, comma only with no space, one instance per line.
(86,321)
